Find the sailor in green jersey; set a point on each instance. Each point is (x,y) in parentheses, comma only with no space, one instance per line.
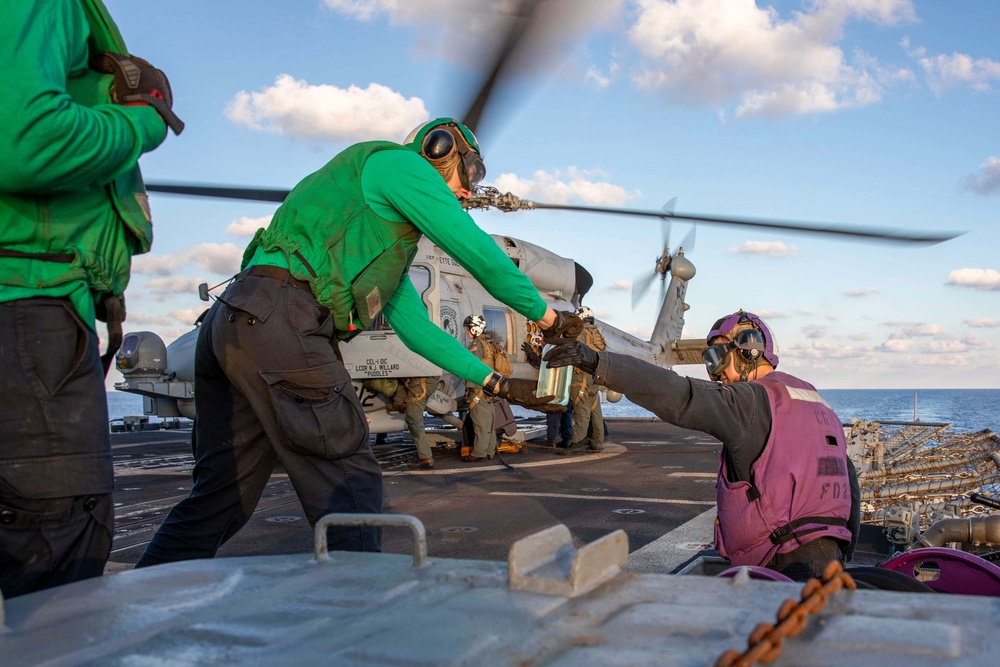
(72,214)
(269,380)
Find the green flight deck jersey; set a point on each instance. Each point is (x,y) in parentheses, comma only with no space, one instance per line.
(351,231)
(73,208)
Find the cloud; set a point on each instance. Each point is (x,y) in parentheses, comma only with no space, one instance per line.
(718,51)
(620,286)
(978,279)
(174,285)
(958,69)
(987,180)
(223,259)
(294,107)
(139,318)
(814,331)
(247,226)
(864,291)
(775,249)
(365,10)
(468,32)
(982,322)
(911,330)
(187,315)
(575,186)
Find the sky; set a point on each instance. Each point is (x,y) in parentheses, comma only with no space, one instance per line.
(877,113)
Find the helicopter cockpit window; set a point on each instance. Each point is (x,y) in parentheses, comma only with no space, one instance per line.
(420,276)
(499,324)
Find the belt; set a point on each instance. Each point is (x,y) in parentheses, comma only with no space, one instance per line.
(277,273)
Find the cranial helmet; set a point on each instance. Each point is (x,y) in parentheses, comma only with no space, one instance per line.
(476,324)
(585,314)
(446,143)
(758,341)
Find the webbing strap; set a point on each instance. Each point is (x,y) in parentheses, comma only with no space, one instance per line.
(62,257)
(787,532)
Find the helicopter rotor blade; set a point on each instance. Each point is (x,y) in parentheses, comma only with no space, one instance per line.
(688,243)
(519,23)
(220,191)
(861,233)
(640,286)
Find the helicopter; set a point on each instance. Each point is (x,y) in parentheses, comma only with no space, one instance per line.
(164,375)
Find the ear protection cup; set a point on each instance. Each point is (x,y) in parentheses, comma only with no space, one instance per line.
(750,344)
(438,144)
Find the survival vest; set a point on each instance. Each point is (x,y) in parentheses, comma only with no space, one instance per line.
(87,236)
(800,488)
(326,234)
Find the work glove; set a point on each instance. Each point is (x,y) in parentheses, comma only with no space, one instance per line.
(522,392)
(533,357)
(138,82)
(574,354)
(566,327)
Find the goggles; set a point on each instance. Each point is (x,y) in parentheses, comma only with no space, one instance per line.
(715,356)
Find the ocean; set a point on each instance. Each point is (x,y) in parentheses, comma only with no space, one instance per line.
(969,409)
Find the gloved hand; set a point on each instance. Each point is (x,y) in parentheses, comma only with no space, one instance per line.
(566,327)
(522,392)
(574,354)
(136,81)
(533,357)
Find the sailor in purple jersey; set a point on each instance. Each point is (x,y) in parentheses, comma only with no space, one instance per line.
(788,495)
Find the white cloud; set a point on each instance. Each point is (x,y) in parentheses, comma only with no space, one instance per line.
(865,291)
(187,315)
(982,322)
(718,51)
(174,285)
(979,279)
(223,259)
(595,77)
(775,249)
(957,69)
(911,330)
(365,10)
(296,108)
(139,318)
(247,226)
(814,331)
(898,345)
(573,186)
(620,286)
(987,180)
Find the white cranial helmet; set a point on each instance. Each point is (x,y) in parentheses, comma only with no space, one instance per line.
(476,324)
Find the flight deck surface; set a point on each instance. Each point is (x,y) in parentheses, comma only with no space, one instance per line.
(651,479)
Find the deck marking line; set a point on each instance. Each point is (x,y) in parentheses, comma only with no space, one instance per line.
(572,496)
(694,474)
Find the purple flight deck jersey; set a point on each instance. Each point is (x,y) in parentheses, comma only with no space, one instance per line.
(801,490)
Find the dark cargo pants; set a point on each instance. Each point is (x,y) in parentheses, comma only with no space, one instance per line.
(56,475)
(269,385)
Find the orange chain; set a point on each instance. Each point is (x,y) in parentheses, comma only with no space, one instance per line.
(764,644)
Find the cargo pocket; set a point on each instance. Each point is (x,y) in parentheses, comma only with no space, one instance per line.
(317,411)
